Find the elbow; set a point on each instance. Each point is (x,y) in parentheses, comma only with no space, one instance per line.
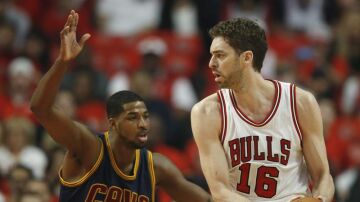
(35,107)
(325,187)
(331,186)
(38,110)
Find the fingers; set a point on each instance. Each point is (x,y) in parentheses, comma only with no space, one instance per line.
(83,39)
(74,20)
(68,21)
(65,31)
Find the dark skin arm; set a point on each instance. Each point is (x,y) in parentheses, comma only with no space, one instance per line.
(171,180)
(83,147)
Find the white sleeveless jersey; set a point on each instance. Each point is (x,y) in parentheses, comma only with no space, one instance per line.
(265,158)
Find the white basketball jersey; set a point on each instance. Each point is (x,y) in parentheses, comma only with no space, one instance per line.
(265,158)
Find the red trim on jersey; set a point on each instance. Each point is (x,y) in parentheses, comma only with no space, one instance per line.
(269,116)
(294,111)
(223,116)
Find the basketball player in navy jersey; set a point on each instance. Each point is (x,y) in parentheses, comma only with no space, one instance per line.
(258,139)
(113,166)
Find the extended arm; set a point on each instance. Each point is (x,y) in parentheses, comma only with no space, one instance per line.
(74,136)
(173,182)
(206,126)
(314,146)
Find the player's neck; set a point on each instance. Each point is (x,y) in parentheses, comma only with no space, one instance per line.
(123,154)
(254,95)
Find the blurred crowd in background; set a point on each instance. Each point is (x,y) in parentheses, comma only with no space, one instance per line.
(160,50)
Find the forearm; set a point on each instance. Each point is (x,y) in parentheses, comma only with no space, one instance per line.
(47,88)
(226,195)
(324,189)
(192,193)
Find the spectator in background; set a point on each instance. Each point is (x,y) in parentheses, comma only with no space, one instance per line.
(2,198)
(32,8)
(30,197)
(21,22)
(56,13)
(40,189)
(252,9)
(165,85)
(36,48)
(344,56)
(347,50)
(344,51)
(127,17)
(18,148)
(179,16)
(307,16)
(18,177)
(348,182)
(56,156)
(7,36)
(21,80)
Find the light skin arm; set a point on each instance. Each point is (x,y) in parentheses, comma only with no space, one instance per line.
(79,141)
(171,180)
(206,127)
(309,117)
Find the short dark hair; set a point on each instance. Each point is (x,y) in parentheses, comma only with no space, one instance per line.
(114,104)
(243,34)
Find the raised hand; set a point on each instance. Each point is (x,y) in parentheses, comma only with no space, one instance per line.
(69,47)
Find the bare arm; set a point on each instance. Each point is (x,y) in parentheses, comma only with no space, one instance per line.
(173,182)
(74,136)
(206,126)
(314,146)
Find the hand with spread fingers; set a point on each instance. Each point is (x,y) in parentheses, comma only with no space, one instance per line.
(70,48)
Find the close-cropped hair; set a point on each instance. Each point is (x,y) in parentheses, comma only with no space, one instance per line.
(114,104)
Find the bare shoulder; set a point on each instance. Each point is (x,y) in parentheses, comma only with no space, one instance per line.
(160,161)
(308,112)
(206,118)
(208,106)
(305,100)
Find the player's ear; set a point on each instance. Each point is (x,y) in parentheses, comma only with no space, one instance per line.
(247,57)
(111,122)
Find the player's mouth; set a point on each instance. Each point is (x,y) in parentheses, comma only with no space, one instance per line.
(143,137)
(217,76)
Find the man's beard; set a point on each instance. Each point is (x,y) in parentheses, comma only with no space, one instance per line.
(136,145)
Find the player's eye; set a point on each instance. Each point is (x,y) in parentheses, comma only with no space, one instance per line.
(131,117)
(220,55)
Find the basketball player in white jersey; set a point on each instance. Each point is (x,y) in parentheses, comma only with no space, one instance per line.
(258,139)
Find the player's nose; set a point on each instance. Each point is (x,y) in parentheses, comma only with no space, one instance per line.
(212,63)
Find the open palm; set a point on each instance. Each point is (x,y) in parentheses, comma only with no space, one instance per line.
(70,48)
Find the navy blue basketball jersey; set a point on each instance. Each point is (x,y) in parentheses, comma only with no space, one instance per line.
(106,182)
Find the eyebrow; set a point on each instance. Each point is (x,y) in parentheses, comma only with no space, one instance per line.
(217,51)
(132,113)
(136,113)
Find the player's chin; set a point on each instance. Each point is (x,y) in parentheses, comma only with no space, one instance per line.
(221,85)
(140,144)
